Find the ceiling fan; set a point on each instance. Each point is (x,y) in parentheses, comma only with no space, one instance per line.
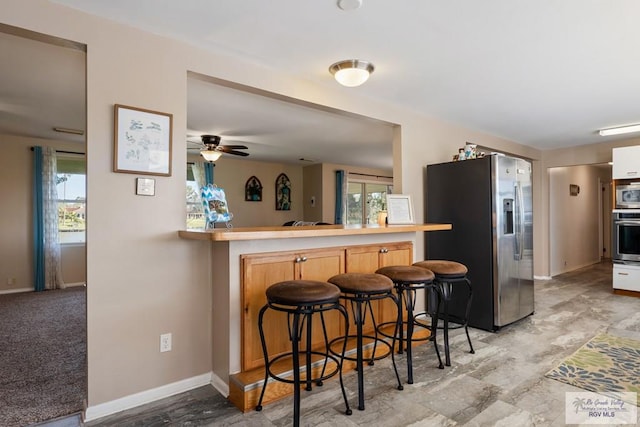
(213,150)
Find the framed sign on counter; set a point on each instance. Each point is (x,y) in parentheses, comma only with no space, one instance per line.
(399,209)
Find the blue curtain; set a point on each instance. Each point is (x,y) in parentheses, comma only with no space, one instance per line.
(340,197)
(208,172)
(38,221)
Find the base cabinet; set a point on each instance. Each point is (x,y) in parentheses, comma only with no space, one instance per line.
(259,271)
(263,270)
(626,277)
(369,258)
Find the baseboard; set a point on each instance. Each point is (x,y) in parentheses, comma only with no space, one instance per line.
(74,284)
(15,291)
(541,277)
(18,290)
(574,267)
(220,385)
(147,396)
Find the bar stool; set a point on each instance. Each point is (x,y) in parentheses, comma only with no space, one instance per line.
(300,299)
(359,289)
(448,276)
(407,280)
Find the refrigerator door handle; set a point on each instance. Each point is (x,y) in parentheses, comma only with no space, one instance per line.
(519,228)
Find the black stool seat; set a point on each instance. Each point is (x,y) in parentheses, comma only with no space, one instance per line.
(359,289)
(300,300)
(302,292)
(447,275)
(407,280)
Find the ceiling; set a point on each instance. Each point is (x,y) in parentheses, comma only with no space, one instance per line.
(544,74)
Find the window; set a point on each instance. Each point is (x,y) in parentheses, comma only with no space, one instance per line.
(195,211)
(72,199)
(365,200)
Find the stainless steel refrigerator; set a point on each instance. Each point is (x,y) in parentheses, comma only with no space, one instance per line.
(489,203)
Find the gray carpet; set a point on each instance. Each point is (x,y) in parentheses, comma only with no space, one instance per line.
(42,355)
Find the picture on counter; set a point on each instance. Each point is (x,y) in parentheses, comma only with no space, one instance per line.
(253,190)
(283,193)
(214,202)
(399,209)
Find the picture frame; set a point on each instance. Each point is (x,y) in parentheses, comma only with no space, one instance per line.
(142,141)
(253,190)
(399,209)
(283,193)
(145,187)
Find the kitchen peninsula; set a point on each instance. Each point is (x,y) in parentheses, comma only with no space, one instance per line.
(245,261)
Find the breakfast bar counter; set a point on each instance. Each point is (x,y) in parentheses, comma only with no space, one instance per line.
(245,261)
(260,233)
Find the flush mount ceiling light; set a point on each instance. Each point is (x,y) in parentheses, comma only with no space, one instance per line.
(211,155)
(351,72)
(620,130)
(349,4)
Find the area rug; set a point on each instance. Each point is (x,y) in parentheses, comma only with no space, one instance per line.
(606,365)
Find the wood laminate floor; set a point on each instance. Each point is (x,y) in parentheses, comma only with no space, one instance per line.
(503,383)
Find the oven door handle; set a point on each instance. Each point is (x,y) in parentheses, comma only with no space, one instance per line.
(637,223)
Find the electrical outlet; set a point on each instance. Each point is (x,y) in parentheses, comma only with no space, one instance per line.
(11,281)
(165,342)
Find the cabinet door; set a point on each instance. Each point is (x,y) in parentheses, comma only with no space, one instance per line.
(260,272)
(393,254)
(626,277)
(321,265)
(626,162)
(367,259)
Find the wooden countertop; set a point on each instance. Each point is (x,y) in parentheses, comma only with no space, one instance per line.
(259,233)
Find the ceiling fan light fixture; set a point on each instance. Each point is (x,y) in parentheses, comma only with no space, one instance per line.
(351,72)
(620,130)
(211,155)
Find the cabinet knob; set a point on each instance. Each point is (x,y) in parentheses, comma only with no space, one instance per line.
(384,250)
(304,259)
(298,259)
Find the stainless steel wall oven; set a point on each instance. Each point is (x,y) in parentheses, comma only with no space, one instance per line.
(626,236)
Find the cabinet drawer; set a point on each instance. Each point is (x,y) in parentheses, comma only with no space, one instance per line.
(626,277)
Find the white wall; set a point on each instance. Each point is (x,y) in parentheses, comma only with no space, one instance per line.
(574,220)
(231,174)
(142,279)
(16,216)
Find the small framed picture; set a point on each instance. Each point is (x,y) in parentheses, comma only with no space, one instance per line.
(145,187)
(399,209)
(142,141)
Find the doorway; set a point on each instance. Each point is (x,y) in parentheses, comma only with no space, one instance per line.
(43,101)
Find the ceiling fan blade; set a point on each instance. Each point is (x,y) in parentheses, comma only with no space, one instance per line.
(235,147)
(235,153)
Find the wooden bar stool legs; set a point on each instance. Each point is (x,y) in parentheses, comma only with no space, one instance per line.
(300,300)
